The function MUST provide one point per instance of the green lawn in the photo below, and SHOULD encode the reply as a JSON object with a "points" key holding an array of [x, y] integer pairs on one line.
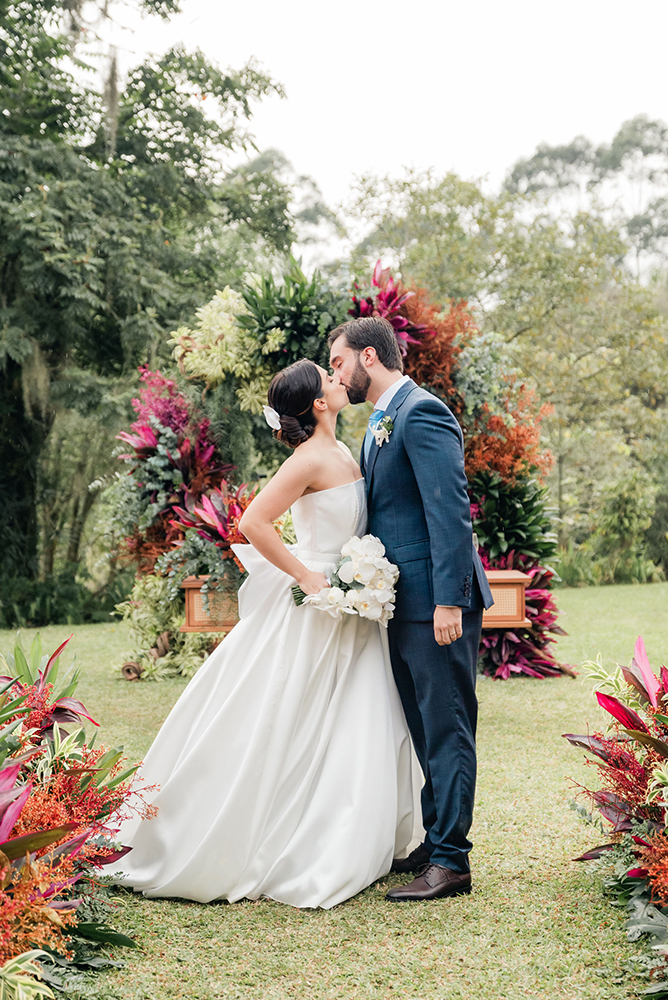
{"points": [[536, 926]]}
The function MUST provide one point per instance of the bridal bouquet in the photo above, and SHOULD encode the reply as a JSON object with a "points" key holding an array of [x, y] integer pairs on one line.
{"points": [[362, 583]]}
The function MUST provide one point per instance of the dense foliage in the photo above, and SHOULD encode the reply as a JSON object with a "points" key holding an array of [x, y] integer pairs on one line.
{"points": [[445, 352], [103, 206], [550, 266], [61, 798], [240, 341], [176, 512], [631, 763], [175, 508]]}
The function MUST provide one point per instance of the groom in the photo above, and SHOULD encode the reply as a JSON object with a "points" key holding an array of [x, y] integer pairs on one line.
{"points": [[419, 508]]}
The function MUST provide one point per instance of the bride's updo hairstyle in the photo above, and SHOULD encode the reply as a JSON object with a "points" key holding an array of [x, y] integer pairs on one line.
{"points": [[292, 393]]}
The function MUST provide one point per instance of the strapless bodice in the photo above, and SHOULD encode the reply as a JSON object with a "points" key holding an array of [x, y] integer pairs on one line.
{"points": [[325, 520]]}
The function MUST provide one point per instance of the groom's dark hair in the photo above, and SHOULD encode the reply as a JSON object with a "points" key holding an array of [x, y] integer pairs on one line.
{"points": [[371, 331]]}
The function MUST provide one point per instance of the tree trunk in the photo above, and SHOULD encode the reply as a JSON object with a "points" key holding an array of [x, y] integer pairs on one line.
{"points": [[79, 516], [21, 441], [560, 489]]}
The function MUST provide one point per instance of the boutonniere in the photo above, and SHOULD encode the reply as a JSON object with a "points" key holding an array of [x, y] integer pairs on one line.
{"points": [[382, 431]]}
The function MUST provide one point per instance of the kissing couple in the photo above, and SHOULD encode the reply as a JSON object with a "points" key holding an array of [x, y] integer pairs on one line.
{"points": [[284, 769]]}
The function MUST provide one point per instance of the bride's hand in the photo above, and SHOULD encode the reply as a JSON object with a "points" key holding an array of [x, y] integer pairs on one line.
{"points": [[312, 583]]}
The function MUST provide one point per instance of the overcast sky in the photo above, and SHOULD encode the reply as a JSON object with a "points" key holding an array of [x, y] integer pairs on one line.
{"points": [[470, 87]]}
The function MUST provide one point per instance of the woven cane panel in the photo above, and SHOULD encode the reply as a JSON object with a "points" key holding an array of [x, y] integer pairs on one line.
{"points": [[506, 603], [222, 609]]}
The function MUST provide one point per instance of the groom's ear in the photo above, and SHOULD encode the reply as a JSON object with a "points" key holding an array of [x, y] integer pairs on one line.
{"points": [[368, 356]]}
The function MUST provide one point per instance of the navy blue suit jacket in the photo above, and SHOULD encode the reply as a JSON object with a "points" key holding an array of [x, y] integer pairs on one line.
{"points": [[419, 506]]}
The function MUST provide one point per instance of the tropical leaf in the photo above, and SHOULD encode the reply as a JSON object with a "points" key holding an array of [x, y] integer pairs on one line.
{"points": [[104, 934], [641, 660], [109, 859], [590, 743], [633, 678], [649, 741], [614, 809], [595, 852], [19, 977], [21, 666], [11, 808], [628, 718], [31, 842], [74, 707], [51, 669]]}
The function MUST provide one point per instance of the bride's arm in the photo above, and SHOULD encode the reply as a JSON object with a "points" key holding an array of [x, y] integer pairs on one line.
{"points": [[289, 483]]}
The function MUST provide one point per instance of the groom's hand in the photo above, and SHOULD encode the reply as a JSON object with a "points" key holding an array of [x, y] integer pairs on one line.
{"points": [[447, 624]]}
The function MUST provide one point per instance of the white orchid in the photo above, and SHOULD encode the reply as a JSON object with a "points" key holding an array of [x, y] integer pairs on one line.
{"points": [[346, 571], [365, 571], [348, 547], [382, 431], [334, 600], [369, 545], [363, 583], [336, 596]]}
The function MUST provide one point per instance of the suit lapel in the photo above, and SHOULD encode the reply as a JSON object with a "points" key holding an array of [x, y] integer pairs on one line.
{"points": [[397, 400]]}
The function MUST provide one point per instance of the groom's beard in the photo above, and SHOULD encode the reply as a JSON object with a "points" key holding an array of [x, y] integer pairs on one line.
{"points": [[359, 384]]}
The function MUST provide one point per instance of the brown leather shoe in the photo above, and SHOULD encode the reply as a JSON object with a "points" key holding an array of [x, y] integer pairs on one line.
{"points": [[415, 860], [433, 882]]}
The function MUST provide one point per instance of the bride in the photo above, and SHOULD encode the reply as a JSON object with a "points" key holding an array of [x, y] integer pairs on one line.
{"points": [[284, 770]]}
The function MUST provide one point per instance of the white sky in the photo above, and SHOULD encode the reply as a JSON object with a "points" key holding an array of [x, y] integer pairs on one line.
{"points": [[470, 87]]}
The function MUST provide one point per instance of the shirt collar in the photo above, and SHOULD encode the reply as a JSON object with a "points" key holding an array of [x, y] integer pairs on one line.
{"points": [[386, 398]]}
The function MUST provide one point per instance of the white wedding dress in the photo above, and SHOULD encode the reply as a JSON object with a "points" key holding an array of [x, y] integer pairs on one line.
{"points": [[284, 769]]}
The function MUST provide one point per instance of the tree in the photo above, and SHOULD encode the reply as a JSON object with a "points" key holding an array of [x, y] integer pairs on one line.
{"points": [[551, 284], [112, 219], [625, 180]]}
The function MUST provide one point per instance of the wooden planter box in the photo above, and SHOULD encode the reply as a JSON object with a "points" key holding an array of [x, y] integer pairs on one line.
{"points": [[508, 610], [223, 611]]}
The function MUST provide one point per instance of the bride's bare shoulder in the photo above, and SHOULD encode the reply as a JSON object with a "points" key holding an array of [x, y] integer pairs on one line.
{"points": [[305, 459]]}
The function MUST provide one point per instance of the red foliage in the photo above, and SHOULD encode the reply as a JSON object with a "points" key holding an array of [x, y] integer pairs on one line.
{"points": [[507, 442], [61, 799], [390, 302], [433, 362], [26, 919], [38, 701], [217, 519], [36, 904], [655, 861], [509, 445], [161, 404], [526, 650], [627, 777], [145, 548], [160, 398]]}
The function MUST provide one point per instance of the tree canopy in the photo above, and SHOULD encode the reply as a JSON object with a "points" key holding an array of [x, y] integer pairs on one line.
{"points": [[553, 281], [117, 219]]}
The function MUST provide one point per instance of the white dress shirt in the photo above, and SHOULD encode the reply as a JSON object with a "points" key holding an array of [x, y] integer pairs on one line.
{"points": [[382, 404], [386, 398]]}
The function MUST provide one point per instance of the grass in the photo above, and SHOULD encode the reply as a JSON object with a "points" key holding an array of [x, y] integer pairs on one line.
{"points": [[537, 924]]}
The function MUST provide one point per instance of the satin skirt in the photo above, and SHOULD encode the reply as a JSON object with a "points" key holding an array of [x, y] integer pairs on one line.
{"points": [[285, 769]]}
